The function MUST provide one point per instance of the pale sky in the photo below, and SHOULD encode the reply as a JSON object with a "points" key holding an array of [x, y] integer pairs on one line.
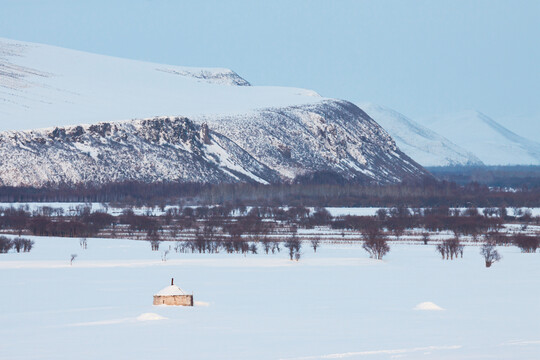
{"points": [[418, 57]]}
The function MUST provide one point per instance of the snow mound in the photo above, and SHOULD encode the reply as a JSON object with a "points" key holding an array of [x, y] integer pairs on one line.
{"points": [[428, 306], [150, 317], [202, 303]]}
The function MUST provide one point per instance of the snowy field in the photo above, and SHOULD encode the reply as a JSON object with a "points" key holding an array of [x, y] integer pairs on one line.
{"points": [[336, 304]]}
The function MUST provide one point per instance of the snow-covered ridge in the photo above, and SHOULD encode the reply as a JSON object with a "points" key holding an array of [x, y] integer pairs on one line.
{"points": [[16, 76], [422, 144], [143, 150], [217, 76], [266, 146]]}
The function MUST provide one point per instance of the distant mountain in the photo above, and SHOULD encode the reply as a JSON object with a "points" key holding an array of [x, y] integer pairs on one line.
{"points": [[420, 143], [526, 126], [189, 124], [488, 140]]}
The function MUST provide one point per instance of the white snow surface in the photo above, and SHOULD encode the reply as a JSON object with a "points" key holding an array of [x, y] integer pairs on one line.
{"points": [[150, 317], [491, 142], [421, 144], [45, 86], [265, 306]]}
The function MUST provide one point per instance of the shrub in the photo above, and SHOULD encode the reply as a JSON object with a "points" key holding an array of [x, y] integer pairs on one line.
{"points": [[376, 247], [5, 244], [450, 249], [490, 254], [23, 245], [527, 244]]}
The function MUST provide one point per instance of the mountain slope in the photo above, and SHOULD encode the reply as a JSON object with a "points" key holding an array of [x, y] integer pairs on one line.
{"points": [[189, 124], [268, 146], [525, 126], [488, 140], [423, 145], [332, 135]]}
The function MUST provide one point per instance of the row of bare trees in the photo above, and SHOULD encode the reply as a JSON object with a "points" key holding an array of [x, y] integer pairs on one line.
{"points": [[226, 227], [18, 244]]}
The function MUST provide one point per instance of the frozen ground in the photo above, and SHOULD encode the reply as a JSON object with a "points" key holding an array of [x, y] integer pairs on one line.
{"points": [[333, 304]]}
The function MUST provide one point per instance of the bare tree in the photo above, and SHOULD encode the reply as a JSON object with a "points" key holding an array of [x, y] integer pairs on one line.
{"points": [[490, 254], [376, 247], [315, 243], [27, 245], [154, 244], [450, 248], [294, 245], [267, 244], [5, 244], [23, 245], [375, 243], [253, 248], [73, 256], [442, 250], [18, 244], [275, 247], [425, 237], [164, 255], [178, 246]]}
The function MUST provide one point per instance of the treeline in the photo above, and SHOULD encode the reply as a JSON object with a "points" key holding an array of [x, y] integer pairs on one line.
{"points": [[235, 222], [511, 176], [427, 193]]}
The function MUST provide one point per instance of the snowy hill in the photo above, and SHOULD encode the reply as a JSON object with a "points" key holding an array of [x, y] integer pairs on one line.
{"points": [[265, 146], [255, 133], [488, 140], [43, 86], [423, 145]]}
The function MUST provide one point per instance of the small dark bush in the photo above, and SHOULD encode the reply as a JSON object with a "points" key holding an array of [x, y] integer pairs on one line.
{"points": [[527, 244], [5, 244]]}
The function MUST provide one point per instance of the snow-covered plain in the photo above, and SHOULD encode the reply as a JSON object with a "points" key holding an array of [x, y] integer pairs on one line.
{"points": [[336, 303]]}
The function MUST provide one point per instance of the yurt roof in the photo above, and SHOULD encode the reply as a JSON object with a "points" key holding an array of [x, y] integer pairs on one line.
{"points": [[171, 290]]}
